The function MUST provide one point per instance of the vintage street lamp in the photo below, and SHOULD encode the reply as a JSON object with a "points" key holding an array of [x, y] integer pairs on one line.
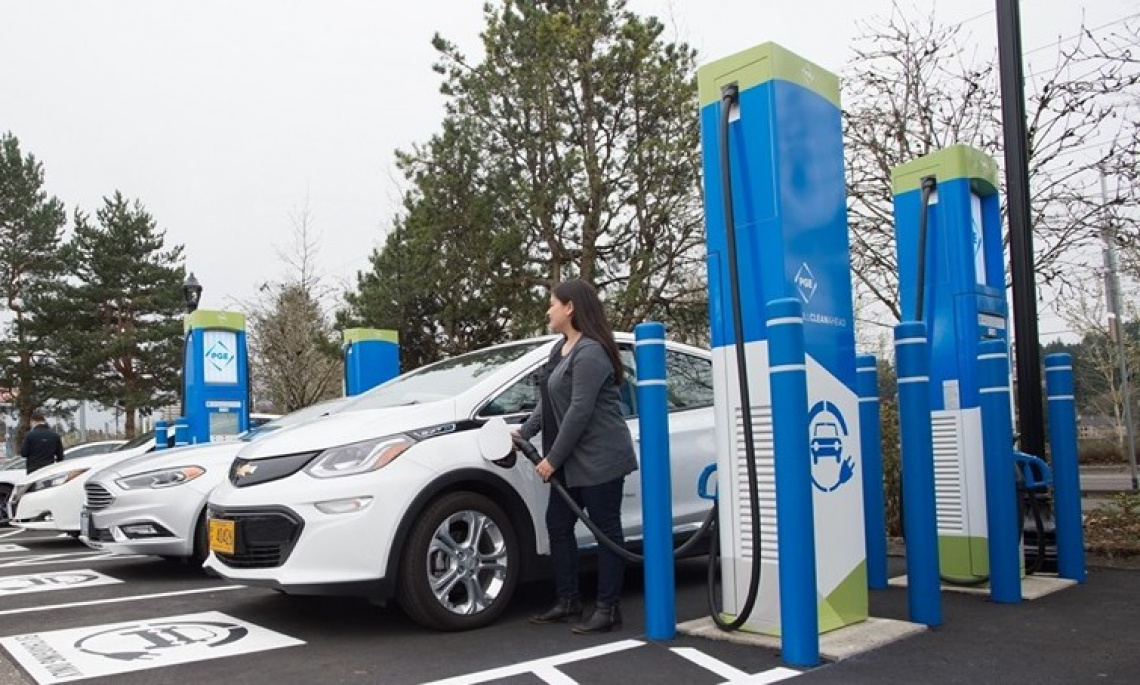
{"points": [[191, 293]]}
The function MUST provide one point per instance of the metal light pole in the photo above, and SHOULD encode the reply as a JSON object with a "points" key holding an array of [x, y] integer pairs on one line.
{"points": [[191, 296], [1030, 412], [1116, 328]]}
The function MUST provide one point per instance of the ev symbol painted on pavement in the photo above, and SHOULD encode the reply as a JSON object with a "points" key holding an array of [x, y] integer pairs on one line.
{"points": [[219, 356], [830, 466], [146, 641]]}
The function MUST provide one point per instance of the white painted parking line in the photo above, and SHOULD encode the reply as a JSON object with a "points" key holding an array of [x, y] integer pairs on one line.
{"points": [[733, 674], [59, 580], [15, 531], [116, 600], [64, 655], [542, 668], [9, 548], [554, 676], [64, 558], [707, 662]]}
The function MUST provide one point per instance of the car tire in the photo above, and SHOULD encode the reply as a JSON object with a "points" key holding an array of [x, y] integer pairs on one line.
{"points": [[201, 541], [461, 564], [5, 493]]}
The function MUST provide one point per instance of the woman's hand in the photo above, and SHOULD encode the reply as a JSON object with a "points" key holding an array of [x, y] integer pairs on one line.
{"points": [[544, 470]]}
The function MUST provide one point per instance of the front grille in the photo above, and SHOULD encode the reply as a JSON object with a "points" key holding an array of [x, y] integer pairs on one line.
{"points": [[98, 497], [14, 499], [101, 535], [264, 539]]}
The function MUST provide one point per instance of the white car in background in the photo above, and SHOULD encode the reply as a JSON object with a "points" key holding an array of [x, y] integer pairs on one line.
{"points": [[50, 498], [155, 503], [391, 496], [13, 471]]}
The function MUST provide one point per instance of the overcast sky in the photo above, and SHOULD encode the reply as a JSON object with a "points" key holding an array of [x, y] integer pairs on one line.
{"points": [[228, 118]]}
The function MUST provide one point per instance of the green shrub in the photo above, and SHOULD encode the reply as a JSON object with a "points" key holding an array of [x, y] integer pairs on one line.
{"points": [[1096, 452]]}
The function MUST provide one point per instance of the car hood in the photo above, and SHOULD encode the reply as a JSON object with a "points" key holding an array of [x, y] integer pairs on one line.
{"points": [[180, 456], [348, 427], [95, 461]]}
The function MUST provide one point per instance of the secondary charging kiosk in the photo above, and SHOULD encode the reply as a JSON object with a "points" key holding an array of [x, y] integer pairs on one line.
{"points": [[216, 376], [958, 267], [371, 357], [785, 149]]}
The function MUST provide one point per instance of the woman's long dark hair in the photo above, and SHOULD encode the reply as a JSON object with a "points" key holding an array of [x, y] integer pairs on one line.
{"points": [[589, 318]]}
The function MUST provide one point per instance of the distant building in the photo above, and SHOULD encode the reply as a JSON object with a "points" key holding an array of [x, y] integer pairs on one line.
{"points": [[1097, 428]]}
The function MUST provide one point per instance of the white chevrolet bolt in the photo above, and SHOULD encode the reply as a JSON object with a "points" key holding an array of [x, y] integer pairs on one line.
{"points": [[391, 498], [155, 503]]}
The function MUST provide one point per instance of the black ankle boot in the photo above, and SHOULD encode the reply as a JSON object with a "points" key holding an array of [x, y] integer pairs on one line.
{"points": [[564, 608], [606, 617]]}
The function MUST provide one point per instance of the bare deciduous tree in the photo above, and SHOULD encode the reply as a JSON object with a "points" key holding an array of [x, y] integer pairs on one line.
{"points": [[916, 86], [294, 354]]}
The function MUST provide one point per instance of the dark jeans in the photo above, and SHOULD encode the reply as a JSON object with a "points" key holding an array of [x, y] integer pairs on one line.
{"points": [[603, 503]]}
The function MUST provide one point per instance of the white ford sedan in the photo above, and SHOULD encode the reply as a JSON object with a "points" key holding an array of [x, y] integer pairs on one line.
{"points": [[391, 498]]}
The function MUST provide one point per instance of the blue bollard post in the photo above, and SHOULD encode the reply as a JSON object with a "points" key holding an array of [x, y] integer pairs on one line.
{"points": [[795, 518], [181, 432], [1004, 530], [161, 435], [920, 518], [656, 488], [874, 508], [1066, 472]]}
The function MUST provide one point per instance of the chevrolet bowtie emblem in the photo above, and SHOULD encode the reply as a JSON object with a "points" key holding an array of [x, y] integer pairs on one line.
{"points": [[245, 470]]}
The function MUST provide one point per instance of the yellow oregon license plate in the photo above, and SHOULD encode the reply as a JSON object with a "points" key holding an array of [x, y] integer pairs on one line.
{"points": [[222, 536]]}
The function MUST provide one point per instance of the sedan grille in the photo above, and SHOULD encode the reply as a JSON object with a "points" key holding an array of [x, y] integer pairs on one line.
{"points": [[98, 497], [14, 498]]}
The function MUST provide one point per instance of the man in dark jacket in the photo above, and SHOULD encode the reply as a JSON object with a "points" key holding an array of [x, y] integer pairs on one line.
{"points": [[42, 446]]}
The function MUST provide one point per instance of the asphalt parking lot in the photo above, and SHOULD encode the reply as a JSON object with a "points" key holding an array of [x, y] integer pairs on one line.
{"points": [[68, 613]]}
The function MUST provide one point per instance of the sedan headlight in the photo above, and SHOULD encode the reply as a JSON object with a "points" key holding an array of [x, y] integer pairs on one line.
{"points": [[358, 457], [163, 478], [56, 480]]}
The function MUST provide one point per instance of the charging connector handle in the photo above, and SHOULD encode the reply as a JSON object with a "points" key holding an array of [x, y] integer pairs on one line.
{"points": [[929, 185]]}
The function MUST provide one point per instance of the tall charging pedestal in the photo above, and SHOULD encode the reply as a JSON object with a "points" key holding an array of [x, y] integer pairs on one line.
{"points": [[785, 154], [371, 357], [958, 266], [216, 376]]}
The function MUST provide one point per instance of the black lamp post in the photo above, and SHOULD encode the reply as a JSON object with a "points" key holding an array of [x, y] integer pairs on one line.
{"points": [[191, 295]]}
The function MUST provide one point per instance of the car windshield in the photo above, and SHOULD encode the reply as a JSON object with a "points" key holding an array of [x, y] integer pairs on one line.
{"points": [[293, 418], [444, 379], [136, 442]]}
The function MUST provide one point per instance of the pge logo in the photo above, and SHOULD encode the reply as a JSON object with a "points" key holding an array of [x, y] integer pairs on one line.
{"points": [[831, 466], [219, 356], [806, 283], [145, 641]]}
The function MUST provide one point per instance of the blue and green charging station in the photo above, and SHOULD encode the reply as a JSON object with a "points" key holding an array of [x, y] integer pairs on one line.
{"points": [[371, 357], [788, 199], [955, 265], [215, 375]]}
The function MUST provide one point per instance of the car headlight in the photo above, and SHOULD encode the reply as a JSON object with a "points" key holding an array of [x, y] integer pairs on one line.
{"points": [[358, 457], [163, 478], [56, 480]]}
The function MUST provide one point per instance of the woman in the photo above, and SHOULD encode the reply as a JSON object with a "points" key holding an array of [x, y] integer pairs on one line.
{"points": [[587, 446]]}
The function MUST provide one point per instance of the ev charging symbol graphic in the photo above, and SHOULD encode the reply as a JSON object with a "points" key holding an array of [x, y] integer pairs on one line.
{"points": [[830, 466]]}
